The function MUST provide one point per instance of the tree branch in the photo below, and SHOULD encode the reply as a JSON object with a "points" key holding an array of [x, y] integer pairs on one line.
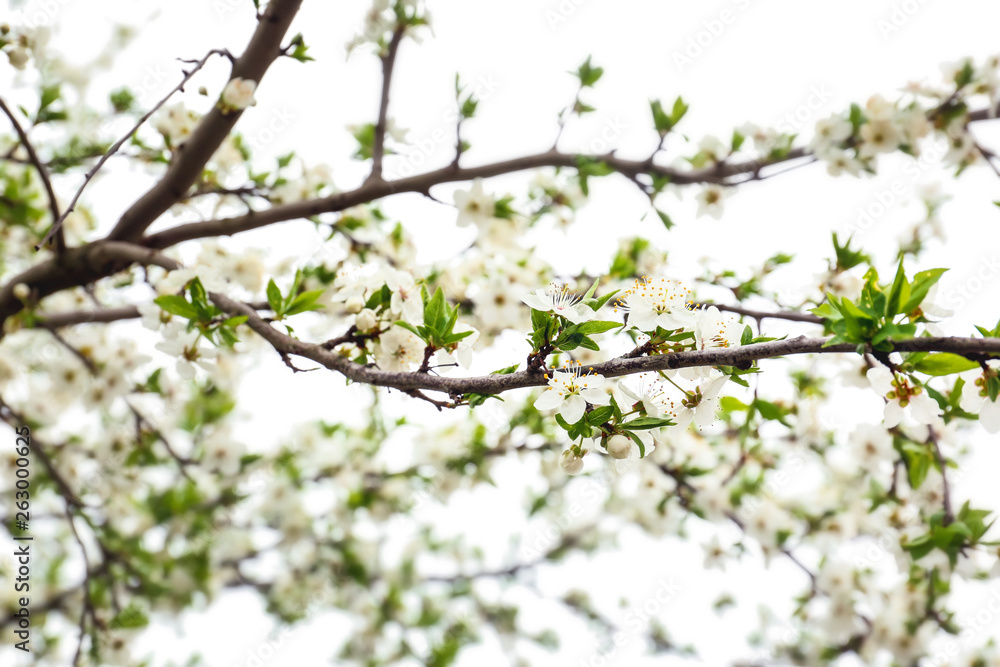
{"points": [[102, 316], [388, 61], [57, 225], [190, 158], [421, 183], [118, 251], [51, 276], [495, 384], [79, 266], [790, 315]]}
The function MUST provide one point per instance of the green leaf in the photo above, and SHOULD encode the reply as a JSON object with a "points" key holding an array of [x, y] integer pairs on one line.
{"points": [[475, 400], [856, 118], [922, 283], [732, 404], [644, 423], [944, 363], [678, 111], [130, 617], [274, 300], [598, 303], [993, 387], [665, 219], [412, 329], [588, 74], [539, 319], [299, 52], [918, 464], [434, 311], [661, 121], [597, 326], [469, 106], [305, 301], [600, 415], [899, 293], [769, 410], [177, 305], [593, 290], [738, 140], [846, 257], [234, 322]]}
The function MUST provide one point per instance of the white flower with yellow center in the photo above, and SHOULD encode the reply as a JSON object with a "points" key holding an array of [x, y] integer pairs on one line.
{"points": [[710, 200], [900, 394], [647, 392], [712, 331], [878, 136], [474, 205], [657, 302], [701, 404], [976, 399], [398, 350], [559, 300], [839, 161], [190, 351], [830, 132], [570, 390]]}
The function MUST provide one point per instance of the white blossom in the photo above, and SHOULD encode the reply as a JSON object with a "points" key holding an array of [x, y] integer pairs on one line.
{"points": [[976, 400], [570, 390], [559, 300], [474, 205], [190, 351], [238, 93], [657, 302], [710, 200], [398, 350], [900, 394]]}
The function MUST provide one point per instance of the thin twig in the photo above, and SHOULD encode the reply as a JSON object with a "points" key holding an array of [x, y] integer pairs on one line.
{"points": [[388, 62], [932, 438], [57, 226], [43, 173]]}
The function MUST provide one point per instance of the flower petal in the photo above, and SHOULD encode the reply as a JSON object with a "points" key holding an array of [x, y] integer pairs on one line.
{"points": [[893, 413], [548, 400], [573, 408], [924, 409], [990, 416], [537, 301], [881, 379]]}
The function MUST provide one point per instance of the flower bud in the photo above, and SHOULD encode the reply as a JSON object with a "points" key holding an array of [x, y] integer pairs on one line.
{"points": [[238, 93], [354, 304], [571, 463], [21, 291], [18, 57], [366, 320], [619, 446]]}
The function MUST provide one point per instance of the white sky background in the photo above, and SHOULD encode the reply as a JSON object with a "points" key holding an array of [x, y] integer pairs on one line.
{"points": [[769, 61]]}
